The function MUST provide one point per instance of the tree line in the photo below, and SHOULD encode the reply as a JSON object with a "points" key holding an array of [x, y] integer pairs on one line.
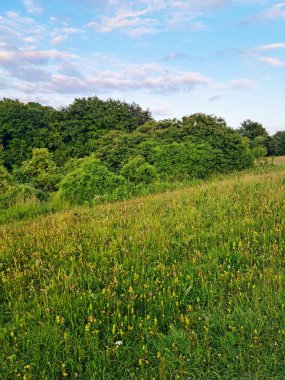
{"points": [[94, 147]]}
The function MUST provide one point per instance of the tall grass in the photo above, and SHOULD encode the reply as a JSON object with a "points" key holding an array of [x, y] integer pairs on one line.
{"points": [[187, 284]]}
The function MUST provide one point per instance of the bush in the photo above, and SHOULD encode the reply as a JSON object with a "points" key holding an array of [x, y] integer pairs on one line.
{"points": [[235, 148], [89, 180], [5, 179], [40, 171], [21, 194], [187, 159], [138, 171]]}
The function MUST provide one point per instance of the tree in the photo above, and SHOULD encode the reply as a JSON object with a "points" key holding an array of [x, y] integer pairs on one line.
{"points": [[258, 147], [252, 129], [277, 144], [24, 127], [69, 132], [214, 130]]}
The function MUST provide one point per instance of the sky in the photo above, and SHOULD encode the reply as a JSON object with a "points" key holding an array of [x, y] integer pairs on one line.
{"points": [[175, 57]]}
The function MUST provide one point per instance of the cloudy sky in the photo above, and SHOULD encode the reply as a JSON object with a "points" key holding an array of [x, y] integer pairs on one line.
{"points": [[175, 57]]}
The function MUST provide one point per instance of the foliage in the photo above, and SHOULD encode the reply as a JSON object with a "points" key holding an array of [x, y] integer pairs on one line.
{"points": [[187, 159], [17, 194], [258, 138], [214, 131], [68, 132], [277, 144], [5, 179], [89, 180], [40, 171], [138, 171], [24, 127], [252, 129]]}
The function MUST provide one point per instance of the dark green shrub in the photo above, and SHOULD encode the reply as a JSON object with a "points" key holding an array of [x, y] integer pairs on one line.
{"points": [[89, 180], [21, 194], [277, 144], [187, 160], [213, 130], [40, 171], [5, 179], [138, 171]]}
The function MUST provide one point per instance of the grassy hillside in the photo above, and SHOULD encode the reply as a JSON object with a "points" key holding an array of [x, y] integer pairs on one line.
{"points": [[187, 284]]}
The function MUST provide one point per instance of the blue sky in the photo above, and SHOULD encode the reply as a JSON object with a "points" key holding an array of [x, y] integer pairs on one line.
{"points": [[175, 57]]}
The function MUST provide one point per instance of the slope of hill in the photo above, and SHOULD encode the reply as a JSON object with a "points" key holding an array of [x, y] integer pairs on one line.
{"points": [[187, 284]]}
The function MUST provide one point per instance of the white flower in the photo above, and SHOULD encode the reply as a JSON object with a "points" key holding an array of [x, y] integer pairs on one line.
{"points": [[118, 343]]}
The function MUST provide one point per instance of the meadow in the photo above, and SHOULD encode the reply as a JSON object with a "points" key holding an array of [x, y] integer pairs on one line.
{"points": [[184, 284]]}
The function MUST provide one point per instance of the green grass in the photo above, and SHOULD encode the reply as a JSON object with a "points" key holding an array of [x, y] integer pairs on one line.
{"points": [[191, 281]]}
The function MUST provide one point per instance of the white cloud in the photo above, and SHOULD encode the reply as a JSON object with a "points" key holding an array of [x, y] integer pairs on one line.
{"points": [[107, 81], [241, 84], [181, 21], [16, 30], [62, 72], [273, 46], [130, 22], [58, 39], [272, 61], [20, 57], [59, 35], [151, 16], [32, 6], [277, 11]]}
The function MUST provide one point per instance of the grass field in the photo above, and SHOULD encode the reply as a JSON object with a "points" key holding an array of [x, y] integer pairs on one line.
{"points": [[187, 284]]}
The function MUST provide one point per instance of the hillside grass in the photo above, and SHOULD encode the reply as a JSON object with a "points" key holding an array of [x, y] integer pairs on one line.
{"points": [[186, 284]]}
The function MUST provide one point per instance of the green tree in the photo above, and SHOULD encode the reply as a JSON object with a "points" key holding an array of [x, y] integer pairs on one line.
{"points": [[68, 132], [258, 147], [214, 131], [277, 144], [24, 127], [252, 129]]}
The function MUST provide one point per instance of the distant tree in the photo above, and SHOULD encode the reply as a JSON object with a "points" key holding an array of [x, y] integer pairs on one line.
{"points": [[252, 129], [258, 146], [24, 127], [277, 144], [68, 132], [214, 131], [108, 114]]}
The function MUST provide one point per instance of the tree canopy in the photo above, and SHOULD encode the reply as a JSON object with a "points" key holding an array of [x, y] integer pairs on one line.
{"points": [[93, 147]]}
